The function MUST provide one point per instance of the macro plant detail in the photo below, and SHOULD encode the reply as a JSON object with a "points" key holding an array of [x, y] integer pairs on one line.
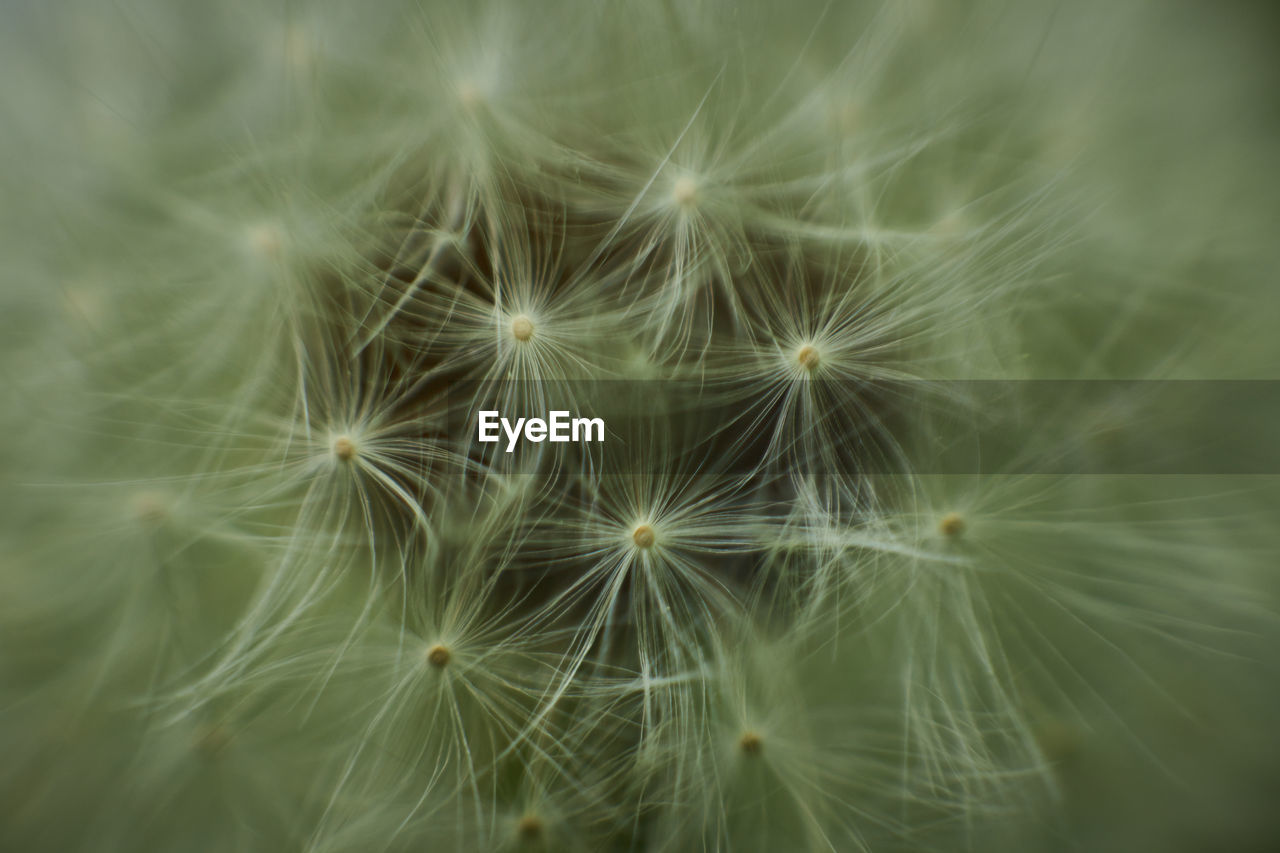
{"points": [[615, 425]]}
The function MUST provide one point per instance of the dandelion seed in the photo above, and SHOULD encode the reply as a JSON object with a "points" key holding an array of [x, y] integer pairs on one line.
{"points": [[750, 743], [685, 191], [210, 741], [265, 241], [469, 94], [84, 302], [1058, 741], [299, 49], [951, 525], [808, 358], [439, 656], [150, 508], [530, 827], [952, 225], [522, 328], [643, 536], [344, 448], [848, 116]]}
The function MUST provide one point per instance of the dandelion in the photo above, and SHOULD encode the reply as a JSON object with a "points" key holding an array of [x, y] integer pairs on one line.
{"points": [[270, 273]]}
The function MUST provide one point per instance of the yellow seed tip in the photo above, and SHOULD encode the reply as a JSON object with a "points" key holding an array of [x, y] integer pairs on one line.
{"points": [[529, 827], [643, 536], [685, 191], [211, 740], [150, 508], [522, 328], [951, 524], [266, 240], [807, 357], [439, 656], [344, 448], [469, 94]]}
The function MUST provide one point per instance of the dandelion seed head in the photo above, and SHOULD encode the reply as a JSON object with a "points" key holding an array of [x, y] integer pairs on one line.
{"points": [[381, 212]]}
